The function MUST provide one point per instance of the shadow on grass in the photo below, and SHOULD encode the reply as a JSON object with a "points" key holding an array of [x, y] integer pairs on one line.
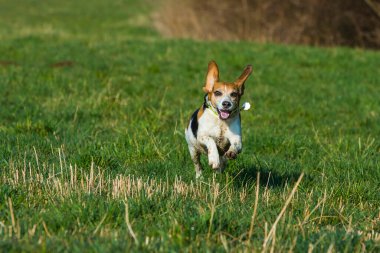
{"points": [[247, 175]]}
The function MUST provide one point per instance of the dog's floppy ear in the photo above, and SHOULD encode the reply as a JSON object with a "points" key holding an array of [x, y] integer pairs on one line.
{"points": [[212, 76], [243, 77]]}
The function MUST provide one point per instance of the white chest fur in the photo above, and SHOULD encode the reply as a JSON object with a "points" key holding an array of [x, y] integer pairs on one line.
{"points": [[223, 132], [218, 139]]}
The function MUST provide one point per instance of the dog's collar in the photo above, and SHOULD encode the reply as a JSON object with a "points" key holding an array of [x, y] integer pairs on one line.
{"points": [[207, 104]]}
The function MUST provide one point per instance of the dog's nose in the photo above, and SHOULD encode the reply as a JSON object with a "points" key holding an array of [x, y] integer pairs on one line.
{"points": [[226, 104]]}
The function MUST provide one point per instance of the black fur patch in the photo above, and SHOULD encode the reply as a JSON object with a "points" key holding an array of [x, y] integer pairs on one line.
{"points": [[204, 102], [194, 123]]}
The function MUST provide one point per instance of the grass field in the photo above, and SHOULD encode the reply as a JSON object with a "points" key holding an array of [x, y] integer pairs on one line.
{"points": [[93, 158]]}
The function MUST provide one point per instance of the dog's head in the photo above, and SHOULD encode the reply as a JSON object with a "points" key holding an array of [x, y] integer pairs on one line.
{"points": [[224, 96]]}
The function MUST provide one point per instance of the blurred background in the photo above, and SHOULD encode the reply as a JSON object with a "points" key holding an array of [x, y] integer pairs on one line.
{"points": [[354, 23]]}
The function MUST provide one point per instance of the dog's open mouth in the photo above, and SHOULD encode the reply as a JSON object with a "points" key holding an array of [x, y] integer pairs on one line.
{"points": [[224, 114]]}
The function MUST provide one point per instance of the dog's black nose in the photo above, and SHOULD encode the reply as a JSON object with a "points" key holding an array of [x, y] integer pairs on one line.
{"points": [[226, 104]]}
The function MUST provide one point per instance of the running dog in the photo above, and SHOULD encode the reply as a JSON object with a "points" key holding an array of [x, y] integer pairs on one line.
{"points": [[215, 129]]}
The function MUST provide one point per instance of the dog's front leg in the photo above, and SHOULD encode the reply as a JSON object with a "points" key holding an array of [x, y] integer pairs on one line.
{"points": [[235, 148], [212, 151]]}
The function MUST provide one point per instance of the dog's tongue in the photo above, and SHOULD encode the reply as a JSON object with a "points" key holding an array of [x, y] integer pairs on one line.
{"points": [[224, 115]]}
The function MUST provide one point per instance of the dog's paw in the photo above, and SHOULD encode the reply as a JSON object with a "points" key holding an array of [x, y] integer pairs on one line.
{"points": [[230, 155], [214, 162]]}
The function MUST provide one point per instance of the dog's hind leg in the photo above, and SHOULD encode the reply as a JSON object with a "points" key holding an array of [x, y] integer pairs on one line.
{"points": [[223, 164], [195, 157]]}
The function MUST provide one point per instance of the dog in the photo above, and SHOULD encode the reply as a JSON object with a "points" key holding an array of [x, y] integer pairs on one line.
{"points": [[215, 128]]}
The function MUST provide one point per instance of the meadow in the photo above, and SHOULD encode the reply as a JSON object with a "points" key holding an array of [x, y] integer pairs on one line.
{"points": [[93, 107]]}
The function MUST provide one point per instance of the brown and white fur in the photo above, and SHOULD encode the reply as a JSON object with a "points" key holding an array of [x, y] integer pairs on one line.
{"points": [[215, 128]]}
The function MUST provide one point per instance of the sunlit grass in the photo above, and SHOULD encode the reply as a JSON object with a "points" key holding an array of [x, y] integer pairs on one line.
{"points": [[92, 120]]}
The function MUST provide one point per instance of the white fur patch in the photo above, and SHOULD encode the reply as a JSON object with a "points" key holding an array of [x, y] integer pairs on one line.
{"points": [[214, 135]]}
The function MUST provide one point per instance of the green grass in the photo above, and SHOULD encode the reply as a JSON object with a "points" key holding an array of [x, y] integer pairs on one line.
{"points": [[92, 111]]}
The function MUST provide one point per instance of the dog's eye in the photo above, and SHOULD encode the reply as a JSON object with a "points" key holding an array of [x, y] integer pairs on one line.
{"points": [[234, 94], [217, 93]]}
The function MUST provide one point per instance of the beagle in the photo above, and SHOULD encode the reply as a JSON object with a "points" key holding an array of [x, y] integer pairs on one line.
{"points": [[214, 129]]}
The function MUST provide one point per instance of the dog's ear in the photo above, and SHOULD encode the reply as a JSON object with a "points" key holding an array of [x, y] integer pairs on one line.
{"points": [[212, 76], [243, 77]]}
